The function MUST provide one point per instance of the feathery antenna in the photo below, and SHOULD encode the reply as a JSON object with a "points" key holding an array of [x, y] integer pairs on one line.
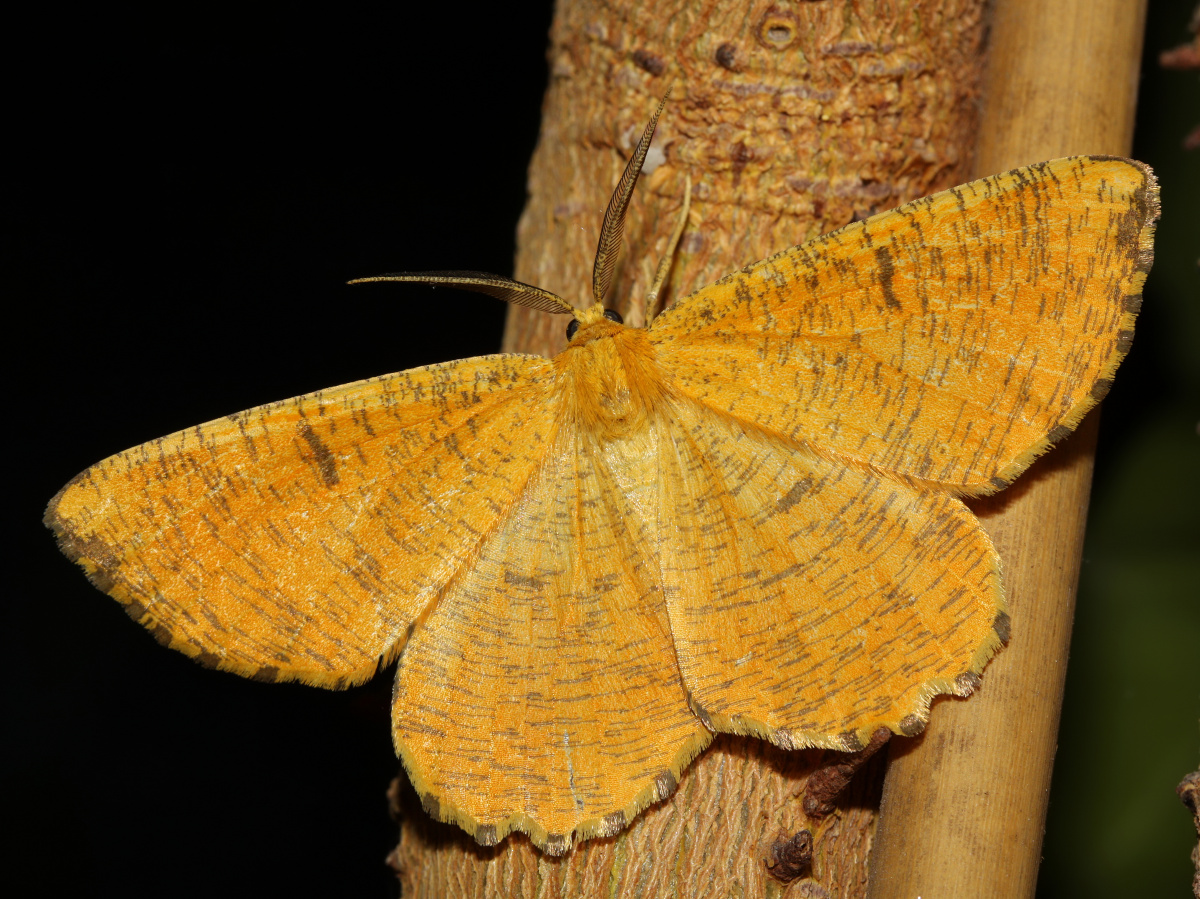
{"points": [[497, 286], [664, 267], [614, 216]]}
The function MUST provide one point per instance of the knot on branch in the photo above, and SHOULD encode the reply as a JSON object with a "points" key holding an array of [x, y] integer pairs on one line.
{"points": [[825, 784], [791, 856]]}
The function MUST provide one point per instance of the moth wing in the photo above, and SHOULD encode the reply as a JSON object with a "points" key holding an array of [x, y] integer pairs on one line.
{"points": [[542, 693], [951, 340], [301, 539], [813, 602]]}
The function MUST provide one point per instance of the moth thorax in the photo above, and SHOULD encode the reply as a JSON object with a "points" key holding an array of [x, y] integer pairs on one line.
{"points": [[614, 381]]}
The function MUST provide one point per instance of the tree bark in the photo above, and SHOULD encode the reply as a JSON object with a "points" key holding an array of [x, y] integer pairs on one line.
{"points": [[791, 119]]}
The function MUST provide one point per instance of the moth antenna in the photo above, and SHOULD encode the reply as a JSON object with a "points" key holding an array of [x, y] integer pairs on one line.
{"points": [[664, 267], [516, 292], [614, 216]]}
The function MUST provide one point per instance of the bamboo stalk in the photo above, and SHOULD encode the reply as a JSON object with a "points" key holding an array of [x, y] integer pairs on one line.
{"points": [[964, 804]]}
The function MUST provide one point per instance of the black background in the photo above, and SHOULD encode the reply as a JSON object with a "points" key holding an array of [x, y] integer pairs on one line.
{"points": [[189, 209], [189, 200]]}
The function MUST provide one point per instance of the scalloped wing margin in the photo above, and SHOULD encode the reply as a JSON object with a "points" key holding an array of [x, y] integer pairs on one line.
{"points": [[972, 328], [272, 543], [812, 602], [542, 694]]}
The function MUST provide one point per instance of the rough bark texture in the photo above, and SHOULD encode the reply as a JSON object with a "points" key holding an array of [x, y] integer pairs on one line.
{"points": [[965, 803], [716, 836], [791, 119]]}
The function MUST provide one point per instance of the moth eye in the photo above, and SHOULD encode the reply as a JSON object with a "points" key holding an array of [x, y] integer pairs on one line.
{"points": [[572, 327], [614, 316]]}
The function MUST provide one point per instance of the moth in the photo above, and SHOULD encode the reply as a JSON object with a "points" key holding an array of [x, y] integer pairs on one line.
{"points": [[742, 518]]}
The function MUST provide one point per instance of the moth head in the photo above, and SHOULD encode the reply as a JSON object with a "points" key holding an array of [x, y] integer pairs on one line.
{"points": [[590, 317]]}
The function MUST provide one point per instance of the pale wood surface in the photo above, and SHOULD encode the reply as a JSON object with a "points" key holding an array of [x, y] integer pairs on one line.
{"points": [[965, 804], [790, 120]]}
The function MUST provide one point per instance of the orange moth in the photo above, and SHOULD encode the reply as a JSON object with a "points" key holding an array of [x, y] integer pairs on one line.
{"points": [[742, 518]]}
